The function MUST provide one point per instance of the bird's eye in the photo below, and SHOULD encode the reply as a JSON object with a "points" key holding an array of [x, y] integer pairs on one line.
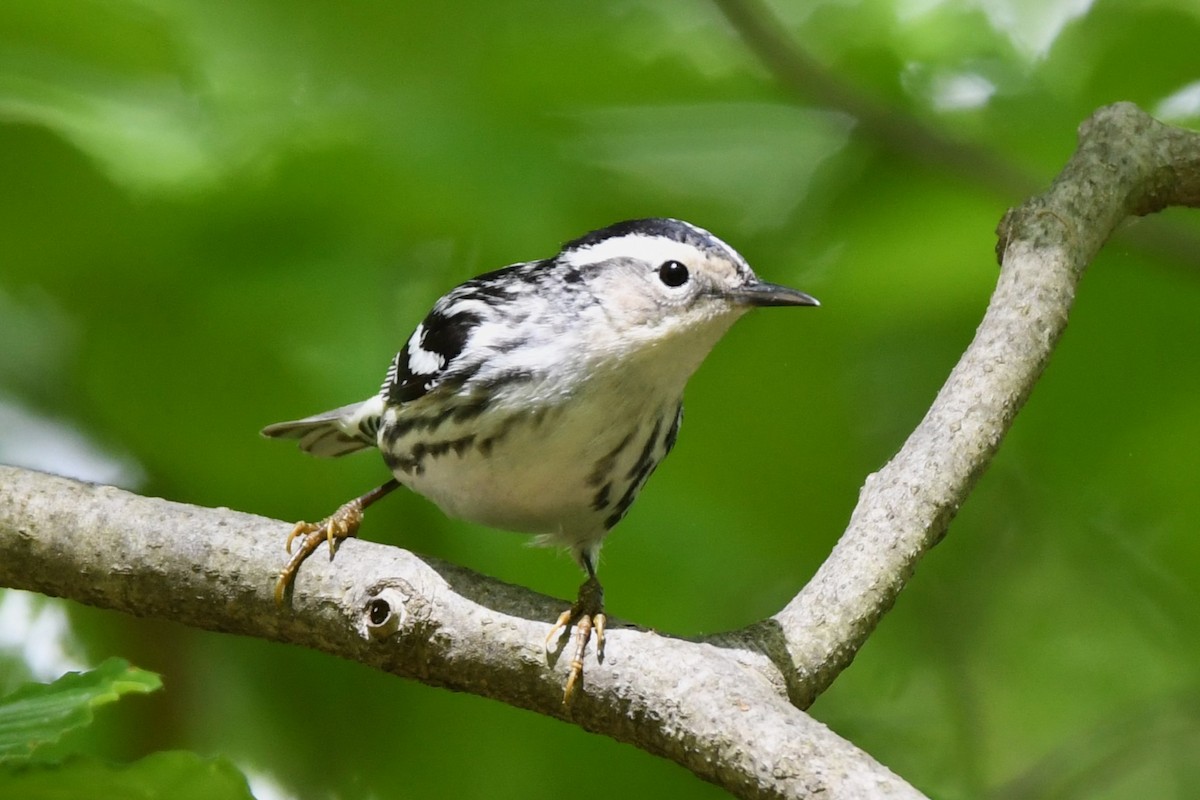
{"points": [[672, 273]]}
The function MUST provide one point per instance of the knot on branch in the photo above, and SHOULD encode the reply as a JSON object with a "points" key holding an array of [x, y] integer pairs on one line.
{"points": [[384, 610]]}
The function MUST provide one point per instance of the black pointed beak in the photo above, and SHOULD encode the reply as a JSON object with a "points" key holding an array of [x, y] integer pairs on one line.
{"points": [[761, 293]]}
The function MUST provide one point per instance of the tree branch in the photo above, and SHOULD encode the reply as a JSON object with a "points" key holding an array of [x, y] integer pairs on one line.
{"points": [[714, 710], [906, 135], [901, 133], [1126, 163], [719, 706]]}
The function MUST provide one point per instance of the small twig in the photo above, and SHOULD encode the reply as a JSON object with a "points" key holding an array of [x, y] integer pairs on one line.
{"points": [[890, 128], [900, 132]]}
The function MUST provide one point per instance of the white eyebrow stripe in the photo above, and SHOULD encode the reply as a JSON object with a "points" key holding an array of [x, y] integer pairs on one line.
{"points": [[653, 249]]}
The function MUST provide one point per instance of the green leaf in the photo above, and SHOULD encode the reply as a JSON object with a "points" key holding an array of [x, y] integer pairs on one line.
{"points": [[37, 714], [174, 774]]}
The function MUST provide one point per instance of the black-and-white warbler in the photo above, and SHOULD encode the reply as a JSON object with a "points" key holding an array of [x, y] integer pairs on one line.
{"points": [[540, 397]]}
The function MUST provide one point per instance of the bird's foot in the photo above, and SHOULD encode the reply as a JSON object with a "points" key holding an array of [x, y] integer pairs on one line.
{"points": [[587, 614], [341, 524]]}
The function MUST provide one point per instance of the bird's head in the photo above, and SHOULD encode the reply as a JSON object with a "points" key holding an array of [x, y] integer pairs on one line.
{"points": [[660, 281]]}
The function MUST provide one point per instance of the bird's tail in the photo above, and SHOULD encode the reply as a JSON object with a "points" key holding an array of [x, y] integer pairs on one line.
{"points": [[334, 433]]}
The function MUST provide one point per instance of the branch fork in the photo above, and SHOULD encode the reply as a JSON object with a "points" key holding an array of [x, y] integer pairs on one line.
{"points": [[729, 706]]}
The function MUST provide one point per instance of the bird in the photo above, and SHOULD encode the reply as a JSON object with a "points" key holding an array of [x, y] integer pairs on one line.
{"points": [[540, 397]]}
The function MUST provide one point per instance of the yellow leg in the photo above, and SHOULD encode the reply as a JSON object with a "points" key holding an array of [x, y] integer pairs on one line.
{"points": [[587, 614], [342, 524]]}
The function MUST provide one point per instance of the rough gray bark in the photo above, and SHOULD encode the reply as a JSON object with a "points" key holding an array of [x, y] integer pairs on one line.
{"points": [[719, 711], [1126, 164], [727, 707]]}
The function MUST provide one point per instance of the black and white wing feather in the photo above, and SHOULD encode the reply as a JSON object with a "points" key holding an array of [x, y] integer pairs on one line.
{"points": [[438, 361], [464, 330], [433, 354]]}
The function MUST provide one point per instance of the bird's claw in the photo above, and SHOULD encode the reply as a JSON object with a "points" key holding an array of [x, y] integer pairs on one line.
{"points": [[341, 524], [587, 614]]}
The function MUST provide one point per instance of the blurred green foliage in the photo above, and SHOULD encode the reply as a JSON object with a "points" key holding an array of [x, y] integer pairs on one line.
{"points": [[218, 215], [36, 717], [40, 756]]}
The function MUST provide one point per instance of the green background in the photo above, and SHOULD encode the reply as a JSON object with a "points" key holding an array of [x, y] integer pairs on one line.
{"points": [[218, 215]]}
